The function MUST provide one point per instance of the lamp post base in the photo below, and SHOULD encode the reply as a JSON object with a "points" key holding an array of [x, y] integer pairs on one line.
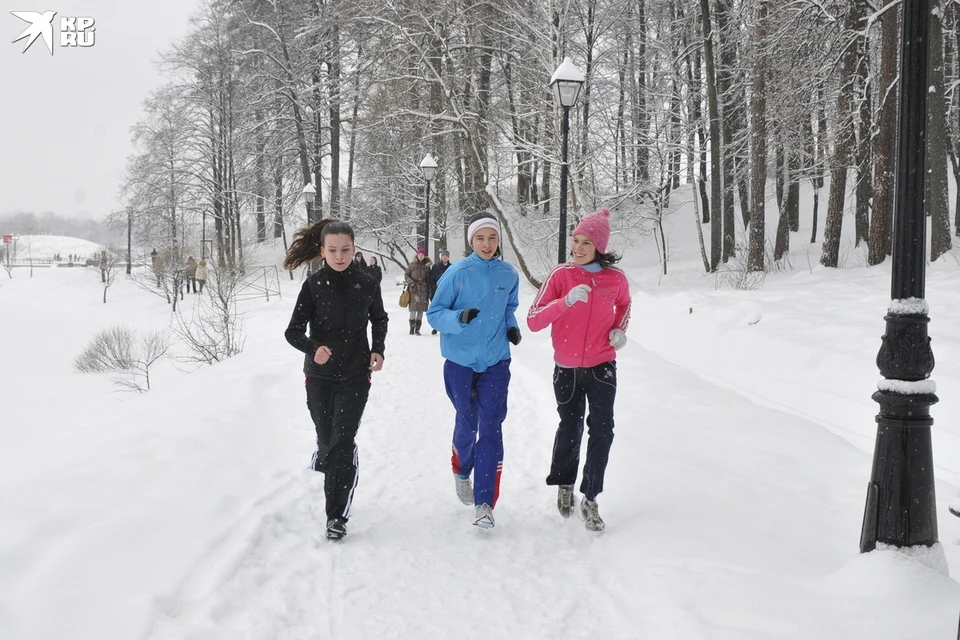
{"points": [[901, 500]]}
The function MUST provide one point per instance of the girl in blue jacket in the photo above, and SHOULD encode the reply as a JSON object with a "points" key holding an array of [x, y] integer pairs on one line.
{"points": [[473, 309]]}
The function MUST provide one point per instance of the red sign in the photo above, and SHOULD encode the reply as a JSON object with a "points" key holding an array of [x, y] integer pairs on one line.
{"points": [[7, 239]]}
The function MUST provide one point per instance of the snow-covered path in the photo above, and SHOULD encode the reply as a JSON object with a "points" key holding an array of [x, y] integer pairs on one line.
{"points": [[188, 512], [705, 493]]}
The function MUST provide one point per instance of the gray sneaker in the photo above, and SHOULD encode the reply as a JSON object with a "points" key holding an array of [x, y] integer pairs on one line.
{"points": [[484, 518], [464, 489], [590, 514], [565, 500]]}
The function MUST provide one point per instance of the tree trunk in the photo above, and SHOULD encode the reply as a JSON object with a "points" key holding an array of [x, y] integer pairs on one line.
{"points": [[843, 144], [725, 87], [260, 177], [785, 176], [864, 142], [938, 202], [333, 77], [640, 116], [881, 222], [758, 143], [716, 227]]}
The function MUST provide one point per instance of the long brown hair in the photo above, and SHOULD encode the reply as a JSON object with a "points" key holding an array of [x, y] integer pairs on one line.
{"points": [[307, 241]]}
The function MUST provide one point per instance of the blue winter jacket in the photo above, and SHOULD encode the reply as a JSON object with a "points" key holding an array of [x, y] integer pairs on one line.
{"points": [[488, 285]]}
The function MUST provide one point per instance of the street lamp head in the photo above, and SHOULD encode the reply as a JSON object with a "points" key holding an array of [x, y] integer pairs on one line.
{"points": [[566, 82], [429, 167], [309, 193]]}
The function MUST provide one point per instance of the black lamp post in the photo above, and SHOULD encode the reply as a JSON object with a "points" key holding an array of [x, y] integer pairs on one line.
{"points": [[129, 239], [566, 82], [901, 506], [429, 168], [309, 193]]}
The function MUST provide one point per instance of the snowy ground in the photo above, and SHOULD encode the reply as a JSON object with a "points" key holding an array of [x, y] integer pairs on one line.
{"points": [[734, 493]]}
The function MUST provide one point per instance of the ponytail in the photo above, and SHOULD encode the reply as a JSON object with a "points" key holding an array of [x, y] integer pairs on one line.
{"points": [[307, 241]]}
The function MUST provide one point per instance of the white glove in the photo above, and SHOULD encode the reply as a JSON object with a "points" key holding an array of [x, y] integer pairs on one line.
{"points": [[617, 338], [579, 293]]}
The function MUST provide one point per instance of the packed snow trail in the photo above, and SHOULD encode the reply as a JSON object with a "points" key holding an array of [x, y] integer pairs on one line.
{"points": [[695, 521], [188, 512]]}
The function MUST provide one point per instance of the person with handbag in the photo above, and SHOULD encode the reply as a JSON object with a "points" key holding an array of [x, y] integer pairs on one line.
{"points": [[337, 302], [417, 278], [473, 309], [587, 303]]}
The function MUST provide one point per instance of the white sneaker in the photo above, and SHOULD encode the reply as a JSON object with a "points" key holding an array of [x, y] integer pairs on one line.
{"points": [[565, 500], [464, 489], [590, 514], [484, 517]]}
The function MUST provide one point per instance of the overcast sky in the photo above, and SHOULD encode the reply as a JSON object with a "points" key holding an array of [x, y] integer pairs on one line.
{"points": [[66, 118]]}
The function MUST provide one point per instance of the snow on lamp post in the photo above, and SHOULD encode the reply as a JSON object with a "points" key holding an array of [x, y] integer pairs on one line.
{"points": [[900, 507], [428, 166], [566, 82]]}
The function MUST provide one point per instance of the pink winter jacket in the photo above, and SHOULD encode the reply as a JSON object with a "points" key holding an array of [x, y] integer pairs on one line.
{"points": [[581, 333]]}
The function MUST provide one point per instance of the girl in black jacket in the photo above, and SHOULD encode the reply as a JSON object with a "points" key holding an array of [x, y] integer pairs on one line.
{"points": [[336, 302]]}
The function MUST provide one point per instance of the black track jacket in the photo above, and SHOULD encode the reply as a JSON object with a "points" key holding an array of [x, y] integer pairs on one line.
{"points": [[337, 306]]}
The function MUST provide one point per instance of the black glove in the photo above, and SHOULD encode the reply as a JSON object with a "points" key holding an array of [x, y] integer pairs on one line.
{"points": [[513, 335], [468, 315], [412, 286]]}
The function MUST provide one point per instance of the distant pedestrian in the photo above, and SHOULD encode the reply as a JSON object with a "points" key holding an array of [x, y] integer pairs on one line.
{"points": [[359, 262], [337, 302], [191, 274], [417, 278], [587, 302], [156, 265], [201, 274], [436, 271], [474, 311], [374, 269]]}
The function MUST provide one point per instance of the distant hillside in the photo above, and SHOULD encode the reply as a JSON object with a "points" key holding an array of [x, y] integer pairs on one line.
{"points": [[44, 247], [51, 224]]}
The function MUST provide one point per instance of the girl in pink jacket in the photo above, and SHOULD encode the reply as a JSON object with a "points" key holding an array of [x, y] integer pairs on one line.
{"points": [[587, 301]]}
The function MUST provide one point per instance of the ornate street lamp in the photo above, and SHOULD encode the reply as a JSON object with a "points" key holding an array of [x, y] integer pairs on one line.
{"points": [[309, 193], [901, 506], [429, 168], [566, 82]]}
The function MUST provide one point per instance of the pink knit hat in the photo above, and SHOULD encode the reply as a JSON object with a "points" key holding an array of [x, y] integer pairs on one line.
{"points": [[421, 251], [596, 226]]}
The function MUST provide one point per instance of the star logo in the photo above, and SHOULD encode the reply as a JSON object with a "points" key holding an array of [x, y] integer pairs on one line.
{"points": [[41, 24]]}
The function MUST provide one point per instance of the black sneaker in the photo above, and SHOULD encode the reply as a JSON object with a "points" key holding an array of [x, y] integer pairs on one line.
{"points": [[433, 332], [336, 528]]}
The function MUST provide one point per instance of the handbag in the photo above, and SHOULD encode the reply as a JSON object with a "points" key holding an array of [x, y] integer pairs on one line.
{"points": [[404, 297]]}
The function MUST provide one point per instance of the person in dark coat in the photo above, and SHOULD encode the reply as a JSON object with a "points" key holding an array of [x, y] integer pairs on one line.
{"points": [[191, 279], [359, 262], [374, 269], [337, 302], [417, 277], [436, 271]]}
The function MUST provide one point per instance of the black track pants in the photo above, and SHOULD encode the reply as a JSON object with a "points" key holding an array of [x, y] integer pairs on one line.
{"points": [[336, 409]]}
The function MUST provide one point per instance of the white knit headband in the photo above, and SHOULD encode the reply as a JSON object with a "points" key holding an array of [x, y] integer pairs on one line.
{"points": [[482, 223]]}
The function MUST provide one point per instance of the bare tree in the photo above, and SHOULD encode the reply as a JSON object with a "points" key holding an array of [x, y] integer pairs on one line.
{"points": [[214, 331], [122, 351], [107, 263]]}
